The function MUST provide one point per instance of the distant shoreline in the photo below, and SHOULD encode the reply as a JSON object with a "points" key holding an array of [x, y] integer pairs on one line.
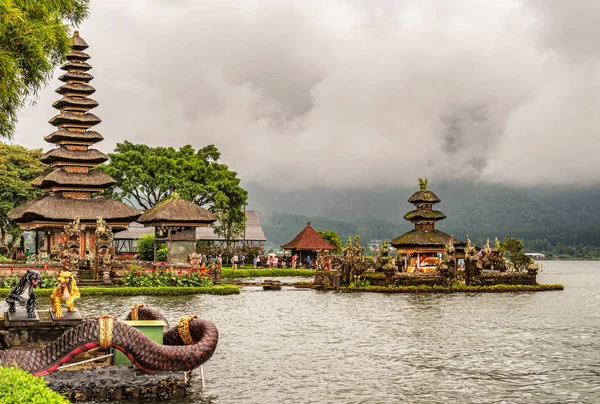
{"points": [[567, 259]]}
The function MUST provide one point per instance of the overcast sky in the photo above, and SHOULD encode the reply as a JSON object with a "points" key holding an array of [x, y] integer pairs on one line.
{"points": [[351, 92]]}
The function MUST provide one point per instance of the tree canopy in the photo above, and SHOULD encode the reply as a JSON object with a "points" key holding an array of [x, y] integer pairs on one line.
{"points": [[147, 175], [332, 238], [18, 167], [34, 39]]}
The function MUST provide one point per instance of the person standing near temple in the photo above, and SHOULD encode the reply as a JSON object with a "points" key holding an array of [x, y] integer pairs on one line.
{"points": [[308, 263], [275, 261], [234, 261], [294, 259]]}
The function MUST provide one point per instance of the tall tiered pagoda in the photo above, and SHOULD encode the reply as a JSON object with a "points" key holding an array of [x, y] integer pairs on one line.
{"points": [[423, 246], [71, 185]]}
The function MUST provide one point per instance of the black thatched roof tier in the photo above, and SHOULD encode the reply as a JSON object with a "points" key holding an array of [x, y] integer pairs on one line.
{"points": [[424, 196], [77, 55], [77, 42], [57, 208], [82, 89], [177, 211], [62, 178], [421, 238], [75, 102], [65, 134], [67, 117], [427, 215], [91, 156], [76, 76], [76, 65]]}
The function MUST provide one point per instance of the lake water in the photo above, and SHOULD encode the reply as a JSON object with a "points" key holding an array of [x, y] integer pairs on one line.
{"points": [[303, 346]]}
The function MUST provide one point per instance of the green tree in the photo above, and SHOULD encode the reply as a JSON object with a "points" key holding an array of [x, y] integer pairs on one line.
{"points": [[512, 245], [34, 39], [230, 225], [520, 260], [332, 238], [145, 247], [18, 167], [148, 175]]}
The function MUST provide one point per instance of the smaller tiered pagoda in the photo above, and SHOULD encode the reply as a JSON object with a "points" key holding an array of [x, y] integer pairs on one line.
{"points": [[422, 247], [306, 244]]}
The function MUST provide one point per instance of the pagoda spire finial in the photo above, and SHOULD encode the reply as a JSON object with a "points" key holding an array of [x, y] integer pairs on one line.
{"points": [[423, 184]]}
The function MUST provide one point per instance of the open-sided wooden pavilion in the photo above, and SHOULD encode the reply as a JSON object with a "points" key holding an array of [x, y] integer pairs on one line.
{"points": [[306, 244], [175, 221]]}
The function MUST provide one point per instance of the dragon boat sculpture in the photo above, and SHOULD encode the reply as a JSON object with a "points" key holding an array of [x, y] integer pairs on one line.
{"points": [[186, 346]]}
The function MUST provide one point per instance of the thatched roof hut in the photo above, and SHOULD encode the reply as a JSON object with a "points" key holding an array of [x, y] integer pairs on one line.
{"points": [[177, 212]]}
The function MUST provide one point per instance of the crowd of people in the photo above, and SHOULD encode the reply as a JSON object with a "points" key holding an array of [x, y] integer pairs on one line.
{"points": [[275, 261]]}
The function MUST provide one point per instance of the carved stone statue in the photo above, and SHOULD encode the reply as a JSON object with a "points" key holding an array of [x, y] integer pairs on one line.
{"points": [[24, 293], [66, 290], [193, 258], [449, 257]]}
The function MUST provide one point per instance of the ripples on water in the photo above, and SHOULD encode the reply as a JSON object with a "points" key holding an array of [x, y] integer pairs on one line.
{"points": [[302, 346]]}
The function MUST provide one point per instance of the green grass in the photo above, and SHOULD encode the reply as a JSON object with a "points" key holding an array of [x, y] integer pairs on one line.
{"points": [[455, 289], [18, 387], [256, 273], [145, 291]]}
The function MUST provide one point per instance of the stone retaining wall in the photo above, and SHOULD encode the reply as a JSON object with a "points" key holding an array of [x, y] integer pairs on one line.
{"points": [[504, 278]]}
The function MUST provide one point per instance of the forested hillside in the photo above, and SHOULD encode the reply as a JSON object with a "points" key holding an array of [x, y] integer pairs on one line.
{"points": [[551, 220]]}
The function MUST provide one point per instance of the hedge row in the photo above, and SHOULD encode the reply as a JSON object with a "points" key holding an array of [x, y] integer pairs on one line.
{"points": [[146, 291], [256, 273], [455, 289], [18, 387], [372, 275]]}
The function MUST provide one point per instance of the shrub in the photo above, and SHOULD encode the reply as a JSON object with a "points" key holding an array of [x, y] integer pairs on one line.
{"points": [[4, 260], [146, 291], [256, 273], [48, 280], [166, 278], [18, 387], [162, 254], [373, 275], [360, 283], [9, 282], [145, 247]]}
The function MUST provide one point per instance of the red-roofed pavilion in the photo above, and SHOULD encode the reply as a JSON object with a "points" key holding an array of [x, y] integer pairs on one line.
{"points": [[306, 244]]}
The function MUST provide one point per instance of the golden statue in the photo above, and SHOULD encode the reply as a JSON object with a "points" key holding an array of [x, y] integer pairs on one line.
{"points": [[66, 290]]}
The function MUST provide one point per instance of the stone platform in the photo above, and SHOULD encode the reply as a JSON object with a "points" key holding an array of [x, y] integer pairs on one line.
{"points": [[118, 383], [21, 315], [68, 316], [16, 331]]}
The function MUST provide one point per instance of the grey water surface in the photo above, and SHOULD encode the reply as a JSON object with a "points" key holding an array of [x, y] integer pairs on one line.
{"points": [[303, 346]]}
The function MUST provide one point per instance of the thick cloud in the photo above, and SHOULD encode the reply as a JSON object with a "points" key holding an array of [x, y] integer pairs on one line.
{"points": [[352, 93]]}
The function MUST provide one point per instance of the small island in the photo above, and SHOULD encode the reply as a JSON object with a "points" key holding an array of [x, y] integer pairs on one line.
{"points": [[429, 261]]}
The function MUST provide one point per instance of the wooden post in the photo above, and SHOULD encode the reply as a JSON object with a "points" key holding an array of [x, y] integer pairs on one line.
{"points": [[169, 245], [155, 236]]}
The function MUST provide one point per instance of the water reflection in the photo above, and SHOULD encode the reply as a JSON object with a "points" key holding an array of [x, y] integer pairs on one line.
{"points": [[303, 346]]}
